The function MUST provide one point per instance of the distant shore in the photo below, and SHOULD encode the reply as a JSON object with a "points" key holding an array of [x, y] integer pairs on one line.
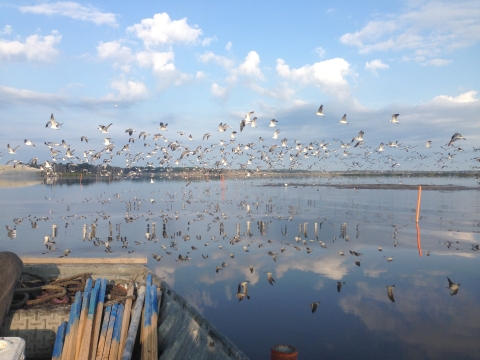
{"points": [[9, 169], [383, 186]]}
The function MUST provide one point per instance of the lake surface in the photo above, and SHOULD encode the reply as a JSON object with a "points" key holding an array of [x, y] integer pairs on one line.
{"points": [[398, 309]]}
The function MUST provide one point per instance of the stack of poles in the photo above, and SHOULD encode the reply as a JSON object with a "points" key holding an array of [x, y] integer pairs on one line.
{"points": [[87, 337]]}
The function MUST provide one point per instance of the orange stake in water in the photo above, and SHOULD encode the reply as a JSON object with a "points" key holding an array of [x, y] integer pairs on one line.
{"points": [[418, 202]]}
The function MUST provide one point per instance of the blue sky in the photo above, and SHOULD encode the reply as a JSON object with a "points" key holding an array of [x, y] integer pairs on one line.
{"points": [[195, 64]]}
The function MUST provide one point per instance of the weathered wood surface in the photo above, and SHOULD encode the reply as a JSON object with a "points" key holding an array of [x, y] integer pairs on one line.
{"points": [[10, 269]]}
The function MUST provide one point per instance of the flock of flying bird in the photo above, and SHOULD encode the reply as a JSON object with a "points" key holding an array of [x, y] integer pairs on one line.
{"points": [[231, 154]]}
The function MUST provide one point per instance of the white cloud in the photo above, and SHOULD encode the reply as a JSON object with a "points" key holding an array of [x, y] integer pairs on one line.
{"points": [[73, 10], [328, 75], [320, 51], [11, 95], [468, 97], [219, 91], [438, 62], [250, 67], [220, 60], [229, 46], [208, 40], [427, 29], [128, 90], [375, 65], [160, 62], [121, 54], [6, 30], [161, 30], [35, 48]]}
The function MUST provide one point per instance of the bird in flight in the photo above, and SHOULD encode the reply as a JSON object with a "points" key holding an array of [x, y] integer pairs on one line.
{"points": [[104, 128], [453, 287], [314, 306], [343, 120], [390, 292], [320, 111], [53, 124], [270, 278], [456, 137], [394, 120]]}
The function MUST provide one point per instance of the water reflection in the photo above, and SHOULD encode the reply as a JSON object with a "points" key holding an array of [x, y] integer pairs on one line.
{"points": [[256, 260]]}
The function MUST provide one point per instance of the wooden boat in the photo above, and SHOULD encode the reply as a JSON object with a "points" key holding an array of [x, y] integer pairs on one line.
{"points": [[183, 333]]}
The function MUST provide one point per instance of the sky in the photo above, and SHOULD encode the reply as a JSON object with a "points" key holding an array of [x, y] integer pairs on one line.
{"points": [[195, 64]]}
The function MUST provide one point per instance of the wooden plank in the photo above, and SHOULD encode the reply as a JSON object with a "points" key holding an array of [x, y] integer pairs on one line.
{"points": [[77, 261], [87, 333], [109, 335], [72, 327], [116, 333], [59, 340], [98, 318], [126, 320], [103, 333], [83, 315], [132, 330]]}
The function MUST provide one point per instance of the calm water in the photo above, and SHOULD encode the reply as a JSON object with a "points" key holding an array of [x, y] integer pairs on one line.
{"points": [[229, 217]]}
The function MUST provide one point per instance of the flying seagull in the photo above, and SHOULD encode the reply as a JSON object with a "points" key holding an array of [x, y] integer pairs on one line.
{"points": [[390, 292], [453, 287], [314, 305], [455, 137], [394, 119], [320, 111], [343, 120], [104, 128], [270, 278], [53, 124], [29, 143]]}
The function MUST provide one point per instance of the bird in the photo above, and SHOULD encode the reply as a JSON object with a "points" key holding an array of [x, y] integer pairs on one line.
{"points": [[163, 126], [390, 292], [320, 111], [104, 128], [275, 134], [453, 287], [28, 143], [84, 138], [12, 151], [270, 278], [53, 124], [428, 144], [394, 120], [273, 123], [455, 137], [339, 285], [359, 137], [314, 305], [343, 120], [242, 290], [130, 131]]}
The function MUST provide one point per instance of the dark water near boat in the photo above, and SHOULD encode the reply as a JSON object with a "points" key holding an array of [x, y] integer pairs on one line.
{"points": [[421, 319]]}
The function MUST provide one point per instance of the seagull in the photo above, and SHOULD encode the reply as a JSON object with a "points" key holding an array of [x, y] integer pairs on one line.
{"points": [[275, 134], [53, 124], [104, 128], [28, 143], [223, 127], [163, 126], [339, 285], [247, 117], [12, 151], [390, 292], [251, 269], [314, 305], [394, 119], [359, 137], [455, 137], [84, 138], [273, 123], [343, 120], [270, 278], [130, 131], [320, 111], [428, 144], [453, 287]]}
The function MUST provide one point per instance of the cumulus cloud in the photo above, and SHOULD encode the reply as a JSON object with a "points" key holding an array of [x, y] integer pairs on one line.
{"points": [[375, 65], [467, 97], [250, 67], [121, 54], [220, 60], [219, 91], [428, 29], [328, 75], [73, 10], [161, 30], [35, 48], [229, 46]]}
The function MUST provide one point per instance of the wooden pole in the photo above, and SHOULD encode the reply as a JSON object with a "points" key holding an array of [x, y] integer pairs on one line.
{"points": [[83, 315], [103, 333], [98, 318], [87, 333], [73, 313], [116, 333], [126, 320], [59, 341], [71, 349], [108, 337], [419, 245], [132, 330], [418, 202]]}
